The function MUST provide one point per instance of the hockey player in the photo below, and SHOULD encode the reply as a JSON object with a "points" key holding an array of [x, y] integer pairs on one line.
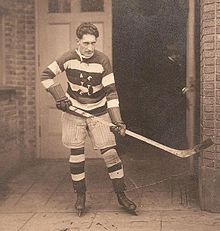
{"points": [[91, 87]]}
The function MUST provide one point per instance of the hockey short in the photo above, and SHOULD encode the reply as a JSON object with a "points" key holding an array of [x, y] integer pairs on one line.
{"points": [[75, 129]]}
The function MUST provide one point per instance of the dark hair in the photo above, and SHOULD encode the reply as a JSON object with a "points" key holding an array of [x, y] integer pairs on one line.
{"points": [[87, 28]]}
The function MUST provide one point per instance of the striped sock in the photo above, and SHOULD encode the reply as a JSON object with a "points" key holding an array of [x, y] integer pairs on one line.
{"points": [[77, 165]]}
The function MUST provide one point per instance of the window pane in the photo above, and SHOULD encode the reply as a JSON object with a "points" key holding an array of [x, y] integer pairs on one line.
{"points": [[59, 6], [92, 5]]}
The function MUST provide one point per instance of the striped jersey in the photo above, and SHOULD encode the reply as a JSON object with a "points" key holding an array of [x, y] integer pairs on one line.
{"points": [[91, 83]]}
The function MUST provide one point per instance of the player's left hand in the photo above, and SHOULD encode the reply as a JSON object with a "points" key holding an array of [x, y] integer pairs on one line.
{"points": [[119, 128]]}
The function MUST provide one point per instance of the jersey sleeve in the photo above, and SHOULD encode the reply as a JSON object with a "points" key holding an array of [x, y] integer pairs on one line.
{"points": [[52, 70], [108, 82]]}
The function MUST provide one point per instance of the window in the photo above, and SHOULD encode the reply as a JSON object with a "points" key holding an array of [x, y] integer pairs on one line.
{"points": [[59, 6], [92, 5]]}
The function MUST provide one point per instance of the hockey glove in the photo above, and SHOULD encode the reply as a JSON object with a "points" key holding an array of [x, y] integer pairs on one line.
{"points": [[120, 129], [62, 102], [115, 116]]}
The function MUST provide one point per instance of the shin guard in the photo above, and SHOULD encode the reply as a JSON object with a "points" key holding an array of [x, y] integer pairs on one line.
{"points": [[115, 168]]}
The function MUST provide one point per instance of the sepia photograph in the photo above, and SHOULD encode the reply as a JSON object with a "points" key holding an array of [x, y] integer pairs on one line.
{"points": [[109, 115]]}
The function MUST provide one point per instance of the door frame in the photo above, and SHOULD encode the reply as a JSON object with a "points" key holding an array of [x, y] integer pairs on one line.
{"points": [[37, 65]]}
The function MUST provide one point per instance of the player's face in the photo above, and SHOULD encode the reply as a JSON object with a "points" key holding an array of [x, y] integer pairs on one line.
{"points": [[86, 45]]}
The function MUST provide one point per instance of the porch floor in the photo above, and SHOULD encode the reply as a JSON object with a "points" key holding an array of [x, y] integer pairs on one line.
{"points": [[40, 197]]}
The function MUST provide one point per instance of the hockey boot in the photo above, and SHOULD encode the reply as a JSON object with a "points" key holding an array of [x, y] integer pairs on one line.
{"points": [[129, 205], [80, 203]]}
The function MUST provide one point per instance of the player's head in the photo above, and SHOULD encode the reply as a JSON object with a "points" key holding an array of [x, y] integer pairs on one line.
{"points": [[87, 34]]}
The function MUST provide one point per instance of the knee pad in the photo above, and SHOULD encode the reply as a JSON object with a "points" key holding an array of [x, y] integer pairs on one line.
{"points": [[111, 157]]}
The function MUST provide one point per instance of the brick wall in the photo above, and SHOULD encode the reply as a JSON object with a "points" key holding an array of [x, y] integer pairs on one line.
{"points": [[210, 104], [17, 111]]}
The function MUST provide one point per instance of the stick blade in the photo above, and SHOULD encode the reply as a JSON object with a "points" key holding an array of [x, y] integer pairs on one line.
{"points": [[205, 144], [196, 149]]}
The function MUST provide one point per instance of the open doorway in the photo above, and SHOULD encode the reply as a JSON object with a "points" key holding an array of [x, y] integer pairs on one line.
{"points": [[149, 43]]}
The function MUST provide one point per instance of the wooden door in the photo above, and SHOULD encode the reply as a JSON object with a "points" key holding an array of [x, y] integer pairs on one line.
{"points": [[57, 23]]}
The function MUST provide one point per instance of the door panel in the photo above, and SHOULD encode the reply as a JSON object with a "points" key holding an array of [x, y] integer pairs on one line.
{"points": [[100, 45], [59, 39], [56, 34]]}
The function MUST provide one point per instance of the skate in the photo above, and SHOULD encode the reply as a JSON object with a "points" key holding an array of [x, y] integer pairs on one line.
{"points": [[80, 203], [126, 203]]}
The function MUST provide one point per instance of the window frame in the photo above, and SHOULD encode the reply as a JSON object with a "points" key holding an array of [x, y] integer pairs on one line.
{"points": [[60, 7], [91, 10]]}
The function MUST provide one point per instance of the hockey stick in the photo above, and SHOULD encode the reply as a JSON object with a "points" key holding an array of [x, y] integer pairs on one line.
{"points": [[180, 153]]}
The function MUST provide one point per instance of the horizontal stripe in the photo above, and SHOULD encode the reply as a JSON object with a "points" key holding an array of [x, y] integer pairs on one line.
{"points": [[108, 79], [77, 158], [73, 76], [112, 96], [81, 66], [47, 74], [115, 167], [116, 174], [77, 151], [77, 170], [76, 87], [47, 83], [84, 98], [110, 89], [107, 149], [77, 165], [78, 177], [113, 103], [86, 106], [99, 111], [54, 67]]}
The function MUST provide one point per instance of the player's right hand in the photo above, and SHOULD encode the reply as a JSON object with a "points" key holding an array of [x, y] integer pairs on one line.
{"points": [[63, 104]]}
